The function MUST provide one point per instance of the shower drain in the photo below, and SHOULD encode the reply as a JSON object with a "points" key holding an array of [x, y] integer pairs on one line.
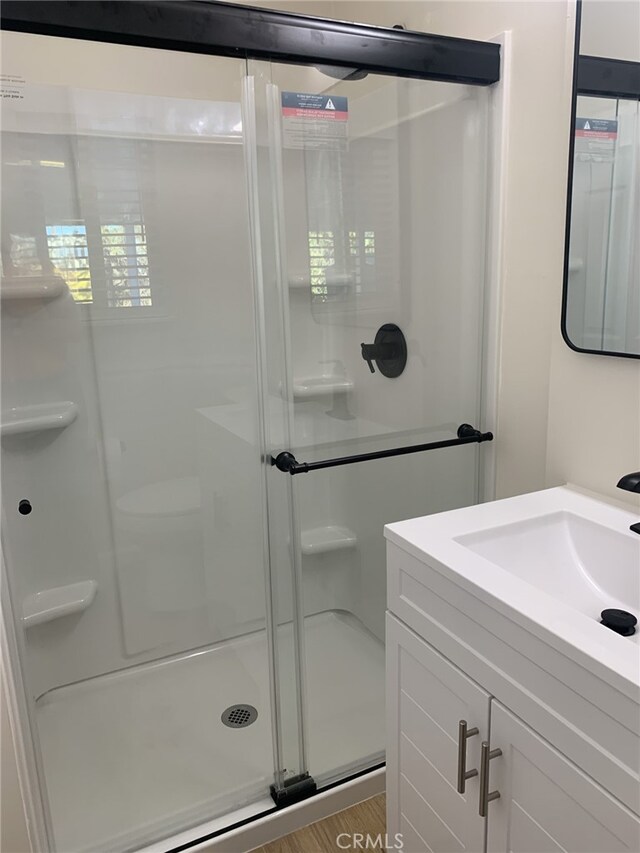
{"points": [[239, 716]]}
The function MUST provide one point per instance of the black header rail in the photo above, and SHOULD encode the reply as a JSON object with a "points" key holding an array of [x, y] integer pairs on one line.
{"points": [[246, 32], [601, 77]]}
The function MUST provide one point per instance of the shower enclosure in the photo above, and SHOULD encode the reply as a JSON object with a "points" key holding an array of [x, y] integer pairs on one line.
{"points": [[212, 256]]}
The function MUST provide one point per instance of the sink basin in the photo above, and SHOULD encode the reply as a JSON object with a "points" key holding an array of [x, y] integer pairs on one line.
{"points": [[588, 566], [551, 562]]}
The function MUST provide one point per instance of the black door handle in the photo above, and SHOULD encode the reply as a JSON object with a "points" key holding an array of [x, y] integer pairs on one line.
{"points": [[466, 434]]}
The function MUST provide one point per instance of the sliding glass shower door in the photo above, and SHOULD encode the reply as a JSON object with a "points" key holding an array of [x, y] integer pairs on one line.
{"points": [[206, 270], [134, 502], [373, 282]]}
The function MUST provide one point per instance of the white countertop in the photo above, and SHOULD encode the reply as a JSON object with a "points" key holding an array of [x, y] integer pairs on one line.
{"points": [[435, 541]]}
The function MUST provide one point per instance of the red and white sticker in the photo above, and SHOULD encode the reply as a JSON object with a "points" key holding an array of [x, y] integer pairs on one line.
{"points": [[595, 139], [314, 121]]}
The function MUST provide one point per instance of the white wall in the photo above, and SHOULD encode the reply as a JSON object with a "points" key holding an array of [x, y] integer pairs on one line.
{"points": [[611, 28], [594, 420]]}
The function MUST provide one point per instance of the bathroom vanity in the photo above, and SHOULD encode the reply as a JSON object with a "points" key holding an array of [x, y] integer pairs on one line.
{"points": [[512, 712]]}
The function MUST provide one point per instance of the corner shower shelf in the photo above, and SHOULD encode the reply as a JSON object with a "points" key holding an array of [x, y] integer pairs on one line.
{"points": [[321, 540], [32, 287], [57, 602], [42, 416], [299, 282], [315, 386]]}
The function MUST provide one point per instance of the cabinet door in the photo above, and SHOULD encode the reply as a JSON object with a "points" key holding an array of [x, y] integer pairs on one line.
{"points": [[426, 698], [547, 803]]}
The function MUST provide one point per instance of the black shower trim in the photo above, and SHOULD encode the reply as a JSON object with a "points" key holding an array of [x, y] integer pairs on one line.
{"points": [[288, 464], [601, 77], [247, 32]]}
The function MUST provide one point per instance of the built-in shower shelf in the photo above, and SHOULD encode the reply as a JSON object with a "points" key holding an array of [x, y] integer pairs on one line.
{"points": [[335, 282], [32, 287], [320, 386], [575, 264], [299, 282], [321, 540], [39, 417], [55, 603]]}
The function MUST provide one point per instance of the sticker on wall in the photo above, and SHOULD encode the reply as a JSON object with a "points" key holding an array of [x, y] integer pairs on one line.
{"points": [[314, 121], [595, 139]]}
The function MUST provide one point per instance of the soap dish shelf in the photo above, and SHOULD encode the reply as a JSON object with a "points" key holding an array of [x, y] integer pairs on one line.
{"points": [[337, 282], [322, 540], [55, 603], [39, 417], [300, 282], [320, 386], [32, 287]]}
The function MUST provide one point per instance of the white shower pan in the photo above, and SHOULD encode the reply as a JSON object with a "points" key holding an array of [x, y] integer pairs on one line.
{"points": [[145, 751]]}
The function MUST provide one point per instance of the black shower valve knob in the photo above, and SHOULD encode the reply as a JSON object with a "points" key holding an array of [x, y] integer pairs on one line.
{"points": [[388, 351]]}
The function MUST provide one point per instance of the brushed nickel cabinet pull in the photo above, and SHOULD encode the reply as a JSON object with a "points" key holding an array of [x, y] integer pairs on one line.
{"points": [[486, 754], [463, 773]]}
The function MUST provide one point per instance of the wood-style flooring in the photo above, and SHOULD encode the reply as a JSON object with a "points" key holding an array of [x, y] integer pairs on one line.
{"points": [[322, 837]]}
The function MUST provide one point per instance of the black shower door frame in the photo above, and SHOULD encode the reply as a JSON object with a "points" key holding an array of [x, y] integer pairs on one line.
{"points": [[246, 32]]}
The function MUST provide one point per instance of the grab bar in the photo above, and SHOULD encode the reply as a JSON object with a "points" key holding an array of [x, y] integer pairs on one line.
{"points": [[287, 462]]}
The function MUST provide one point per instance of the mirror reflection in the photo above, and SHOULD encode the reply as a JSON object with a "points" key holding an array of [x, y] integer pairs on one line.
{"points": [[602, 270]]}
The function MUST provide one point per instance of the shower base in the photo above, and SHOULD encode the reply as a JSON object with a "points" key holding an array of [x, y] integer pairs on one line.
{"points": [[143, 752]]}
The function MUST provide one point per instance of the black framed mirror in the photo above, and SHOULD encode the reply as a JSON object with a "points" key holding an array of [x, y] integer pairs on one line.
{"points": [[601, 295]]}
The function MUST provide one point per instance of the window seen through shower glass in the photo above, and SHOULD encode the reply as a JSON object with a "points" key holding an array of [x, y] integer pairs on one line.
{"points": [[350, 197], [96, 242], [327, 252]]}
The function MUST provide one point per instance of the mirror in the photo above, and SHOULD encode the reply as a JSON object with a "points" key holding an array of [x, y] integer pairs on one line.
{"points": [[601, 303]]}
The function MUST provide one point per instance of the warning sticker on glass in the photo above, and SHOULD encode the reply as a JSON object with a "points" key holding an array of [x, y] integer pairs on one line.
{"points": [[596, 139], [11, 87], [314, 121]]}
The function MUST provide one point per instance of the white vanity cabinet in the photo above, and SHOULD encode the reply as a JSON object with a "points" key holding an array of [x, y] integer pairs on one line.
{"points": [[565, 771], [426, 699], [546, 802]]}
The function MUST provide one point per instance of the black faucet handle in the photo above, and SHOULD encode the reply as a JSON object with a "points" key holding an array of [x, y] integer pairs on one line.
{"points": [[369, 353], [630, 482]]}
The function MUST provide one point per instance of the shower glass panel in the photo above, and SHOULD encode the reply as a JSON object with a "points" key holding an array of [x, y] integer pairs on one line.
{"points": [[379, 204], [132, 474]]}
